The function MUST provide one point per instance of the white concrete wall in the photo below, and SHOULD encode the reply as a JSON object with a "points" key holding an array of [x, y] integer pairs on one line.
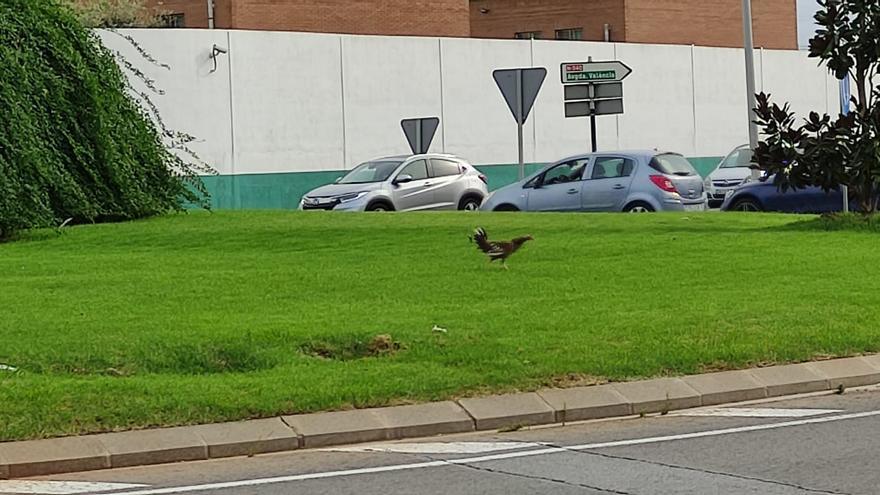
{"points": [[477, 123], [658, 98], [385, 77], [286, 101], [290, 102], [196, 101], [720, 108]]}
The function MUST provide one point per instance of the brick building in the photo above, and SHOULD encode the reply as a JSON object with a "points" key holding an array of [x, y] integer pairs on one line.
{"points": [[698, 22], [388, 17]]}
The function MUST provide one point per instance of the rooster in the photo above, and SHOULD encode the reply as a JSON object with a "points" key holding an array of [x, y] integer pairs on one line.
{"points": [[498, 250]]}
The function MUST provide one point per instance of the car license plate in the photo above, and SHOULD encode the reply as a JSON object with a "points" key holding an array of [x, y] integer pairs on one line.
{"points": [[696, 207]]}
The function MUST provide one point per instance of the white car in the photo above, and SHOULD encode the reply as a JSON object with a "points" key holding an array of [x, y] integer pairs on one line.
{"points": [[403, 183], [732, 171]]}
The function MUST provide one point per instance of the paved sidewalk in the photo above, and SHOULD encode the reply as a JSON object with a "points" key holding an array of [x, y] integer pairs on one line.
{"points": [[548, 406]]}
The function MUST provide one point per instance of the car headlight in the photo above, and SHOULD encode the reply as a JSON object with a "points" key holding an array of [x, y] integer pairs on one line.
{"points": [[344, 198]]}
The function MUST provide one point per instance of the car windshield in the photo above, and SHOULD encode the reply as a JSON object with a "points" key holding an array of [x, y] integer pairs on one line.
{"points": [[376, 171], [741, 157], [672, 164]]}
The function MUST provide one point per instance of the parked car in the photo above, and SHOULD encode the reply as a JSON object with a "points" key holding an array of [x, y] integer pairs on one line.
{"points": [[763, 195], [631, 181], [731, 172], [403, 183]]}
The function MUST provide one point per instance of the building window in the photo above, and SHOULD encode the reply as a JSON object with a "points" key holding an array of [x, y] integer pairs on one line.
{"points": [[528, 35], [172, 20], [570, 34]]}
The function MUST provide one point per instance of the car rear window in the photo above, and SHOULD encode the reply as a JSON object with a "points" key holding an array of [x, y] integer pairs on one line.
{"points": [[671, 164]]}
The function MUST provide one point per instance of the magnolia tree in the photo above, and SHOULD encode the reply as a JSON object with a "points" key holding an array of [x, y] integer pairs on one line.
{"points": [[828, 151]]}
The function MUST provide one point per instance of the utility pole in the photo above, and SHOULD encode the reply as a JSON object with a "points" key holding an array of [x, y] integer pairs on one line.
{"points": [[749, 46], [210, 14]]}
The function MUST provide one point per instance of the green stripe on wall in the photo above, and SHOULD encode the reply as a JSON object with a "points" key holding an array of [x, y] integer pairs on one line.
{"points": [[264, 191], [284, 190]]}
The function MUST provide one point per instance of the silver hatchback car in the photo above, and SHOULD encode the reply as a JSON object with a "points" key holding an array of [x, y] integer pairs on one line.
{"points": [[631, 181], [402, 183]]}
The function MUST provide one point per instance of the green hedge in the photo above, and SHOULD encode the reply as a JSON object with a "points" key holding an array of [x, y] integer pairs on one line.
{"points": [[73, 144]]}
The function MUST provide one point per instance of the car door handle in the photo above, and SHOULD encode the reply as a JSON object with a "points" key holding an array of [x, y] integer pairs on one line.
{"points": [[572, 191], [427, 184], [619, 186]]}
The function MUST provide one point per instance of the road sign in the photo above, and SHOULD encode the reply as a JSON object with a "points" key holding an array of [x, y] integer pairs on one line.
{"points": [[845, 96], [520, 87], [595, 107], [420, 133], [599, 91], [523, 82], [580, 72], [593, 88]]}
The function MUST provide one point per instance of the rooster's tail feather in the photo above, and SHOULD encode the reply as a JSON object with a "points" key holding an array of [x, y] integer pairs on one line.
{"points": [[481, 240]]}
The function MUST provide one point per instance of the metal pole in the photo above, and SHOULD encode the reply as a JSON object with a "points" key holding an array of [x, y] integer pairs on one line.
{"points": [[749, 47], [210, 14], [519, 122], [844, 110], [593, 129], [592, 94]]}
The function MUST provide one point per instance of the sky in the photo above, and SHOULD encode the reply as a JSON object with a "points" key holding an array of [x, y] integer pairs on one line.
{"points": [[806, 27]]}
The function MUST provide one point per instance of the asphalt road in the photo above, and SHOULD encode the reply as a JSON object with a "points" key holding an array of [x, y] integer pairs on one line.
{"points": [[819, 445]]}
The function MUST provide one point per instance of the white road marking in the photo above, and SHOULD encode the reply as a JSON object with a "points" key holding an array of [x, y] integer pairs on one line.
{"points": [[437, 447], [498, 457], [756, 412], [61, 487]]}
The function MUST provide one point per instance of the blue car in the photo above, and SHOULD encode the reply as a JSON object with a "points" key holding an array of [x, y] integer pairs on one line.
{"points": [[762, 195]]}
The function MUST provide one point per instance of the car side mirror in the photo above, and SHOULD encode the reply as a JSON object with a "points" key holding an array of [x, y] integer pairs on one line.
{"points": [[337, 180], [403, 179]]}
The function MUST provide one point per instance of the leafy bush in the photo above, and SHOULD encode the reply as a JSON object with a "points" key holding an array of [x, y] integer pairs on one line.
{"points": [[73, 143], [114, 13]]}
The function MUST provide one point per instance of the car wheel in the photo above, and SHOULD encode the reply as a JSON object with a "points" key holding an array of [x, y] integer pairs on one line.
{"points": [[746, 204], [638, 207], [380, 206], [506, 208], [469, 203]]}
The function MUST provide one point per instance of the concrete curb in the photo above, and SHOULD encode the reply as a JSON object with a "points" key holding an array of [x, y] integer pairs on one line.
{"points": [[548, 406]]}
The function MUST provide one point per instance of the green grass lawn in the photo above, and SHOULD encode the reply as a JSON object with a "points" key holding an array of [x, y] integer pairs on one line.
{"points": [[207, 317]]}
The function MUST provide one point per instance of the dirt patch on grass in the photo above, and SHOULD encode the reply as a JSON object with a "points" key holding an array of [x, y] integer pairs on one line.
{"points": [[570, 380], [347, 349]]}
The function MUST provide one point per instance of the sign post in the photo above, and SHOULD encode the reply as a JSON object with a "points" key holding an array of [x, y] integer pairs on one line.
{"points": [[845, 96], [420, 132], [520, 87], [593, 88]]}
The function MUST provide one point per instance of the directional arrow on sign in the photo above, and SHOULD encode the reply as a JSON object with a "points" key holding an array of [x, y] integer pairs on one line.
{"points": [[580, 72]]}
